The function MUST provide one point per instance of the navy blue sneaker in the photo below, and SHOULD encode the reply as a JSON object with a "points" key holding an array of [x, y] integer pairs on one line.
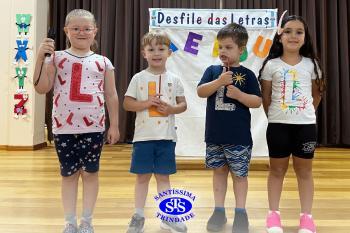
{"points": [[217, 221]]}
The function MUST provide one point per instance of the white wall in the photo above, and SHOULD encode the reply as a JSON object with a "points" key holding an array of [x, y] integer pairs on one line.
{"points": [[29, 131]]}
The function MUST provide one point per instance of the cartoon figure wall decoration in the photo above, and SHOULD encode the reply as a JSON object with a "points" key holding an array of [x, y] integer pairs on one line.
{"points": [[21, 62], [21, 74], [19, 108], [22, 46], [23, 23]]}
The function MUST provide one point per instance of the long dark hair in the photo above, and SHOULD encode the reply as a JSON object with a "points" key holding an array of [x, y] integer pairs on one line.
{"points": [[307, 50]]}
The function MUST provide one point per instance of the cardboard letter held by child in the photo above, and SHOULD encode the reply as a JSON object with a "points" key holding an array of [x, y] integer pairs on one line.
{"points": [[152, 90]]}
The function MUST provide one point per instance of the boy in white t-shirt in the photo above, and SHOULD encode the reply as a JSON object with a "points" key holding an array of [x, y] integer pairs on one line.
{"points": [[156, 95]]}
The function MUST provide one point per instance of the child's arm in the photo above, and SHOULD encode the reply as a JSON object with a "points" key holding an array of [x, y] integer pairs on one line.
{"points": [[179, 107], [249, 100], [44, 74], [112, 102], [316, 94], [266, 91], [133, 105], [207, 89]]}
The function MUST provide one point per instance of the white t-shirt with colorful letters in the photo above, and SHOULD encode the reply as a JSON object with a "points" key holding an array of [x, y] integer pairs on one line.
{"points": [[291, 99]]}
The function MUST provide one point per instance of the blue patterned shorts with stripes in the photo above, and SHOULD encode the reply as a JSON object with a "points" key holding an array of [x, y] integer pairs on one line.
{"points": [[236, 157]]}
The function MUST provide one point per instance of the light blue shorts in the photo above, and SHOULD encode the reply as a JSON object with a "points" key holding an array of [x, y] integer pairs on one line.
{"points": [[157, 156], [237, 157]]}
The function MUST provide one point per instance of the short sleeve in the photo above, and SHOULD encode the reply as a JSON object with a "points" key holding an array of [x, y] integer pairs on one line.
{"points": [[266, 72], [179, 88], [253, 85], [109, 65], [313, 76], [132, 88], [207, 76]]}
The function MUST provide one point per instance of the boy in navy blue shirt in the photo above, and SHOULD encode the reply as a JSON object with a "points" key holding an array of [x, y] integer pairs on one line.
{"points": [[230, 89]]}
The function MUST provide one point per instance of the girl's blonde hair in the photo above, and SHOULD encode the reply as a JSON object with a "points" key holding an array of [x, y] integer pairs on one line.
{"points": [[85, 14]]}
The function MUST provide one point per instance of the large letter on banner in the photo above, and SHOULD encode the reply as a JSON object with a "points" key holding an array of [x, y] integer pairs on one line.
{"points": [[193, 33]]}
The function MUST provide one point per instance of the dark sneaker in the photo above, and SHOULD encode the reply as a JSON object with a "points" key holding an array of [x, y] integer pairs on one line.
{"points": [[70, 228], [217, 221], [240, 223], [174, 227], [136, 224], [85, 227]]}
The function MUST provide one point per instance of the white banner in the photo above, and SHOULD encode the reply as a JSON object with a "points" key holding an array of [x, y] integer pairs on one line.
{"points": [[194, 49], [209, 19]]}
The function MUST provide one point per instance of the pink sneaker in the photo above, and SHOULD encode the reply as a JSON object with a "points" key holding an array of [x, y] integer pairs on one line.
{"points": [[307, 224], [273, 222]]}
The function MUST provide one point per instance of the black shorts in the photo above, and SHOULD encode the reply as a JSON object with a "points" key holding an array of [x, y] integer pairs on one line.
{"points": [[79, 151], [286, 139]]}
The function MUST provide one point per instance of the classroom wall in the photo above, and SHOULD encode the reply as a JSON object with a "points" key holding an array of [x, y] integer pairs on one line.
{"points": [[25, 132]]}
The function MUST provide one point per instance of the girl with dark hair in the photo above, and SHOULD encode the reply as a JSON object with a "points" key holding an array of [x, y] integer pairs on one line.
{"points": [[292, 84]]}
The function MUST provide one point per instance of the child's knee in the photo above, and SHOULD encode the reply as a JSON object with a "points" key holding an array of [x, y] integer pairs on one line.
{"points": [[89, 175], [303, 173], [143, 178], [162, 178], [278, 171], [241, 179], [72, 178], [221, 170]]}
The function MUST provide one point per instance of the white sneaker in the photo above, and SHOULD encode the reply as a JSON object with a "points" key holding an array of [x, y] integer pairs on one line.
{"points": [[174, 227], [70, 228]]}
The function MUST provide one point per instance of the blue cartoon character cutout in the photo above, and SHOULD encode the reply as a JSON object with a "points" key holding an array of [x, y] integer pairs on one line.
{"points": [[22, 46]]}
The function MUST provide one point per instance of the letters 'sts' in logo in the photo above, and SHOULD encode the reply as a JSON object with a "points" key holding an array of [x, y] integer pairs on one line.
{"points": [[175, 205]]}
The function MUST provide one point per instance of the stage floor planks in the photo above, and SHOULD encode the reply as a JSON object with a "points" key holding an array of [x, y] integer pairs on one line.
{"points": [[30, 193]]}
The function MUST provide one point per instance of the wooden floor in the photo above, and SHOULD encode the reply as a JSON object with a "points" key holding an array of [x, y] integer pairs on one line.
{"points": [[30, 193]]}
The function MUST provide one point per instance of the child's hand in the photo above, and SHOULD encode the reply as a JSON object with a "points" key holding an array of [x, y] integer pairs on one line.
{"points": [[113, 135], [165, 108], [226, 77], [153, 101], [233, 92], [47, 46]]}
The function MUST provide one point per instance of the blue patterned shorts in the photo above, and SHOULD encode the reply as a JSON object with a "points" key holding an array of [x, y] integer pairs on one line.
{"points": [[79, 151], [237, 157]]}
